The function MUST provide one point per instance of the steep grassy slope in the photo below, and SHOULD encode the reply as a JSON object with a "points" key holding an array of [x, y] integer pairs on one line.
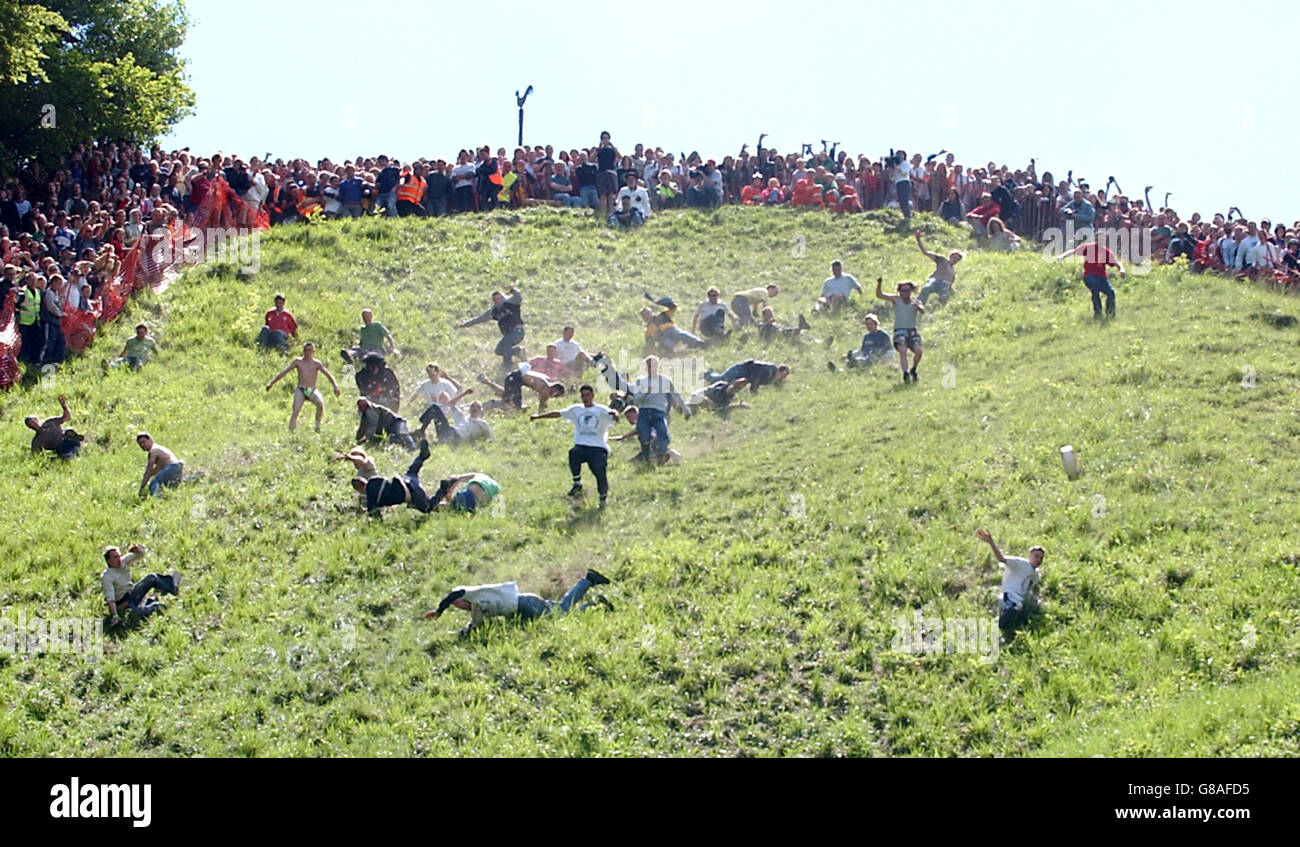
{"points": [[757, 586]]}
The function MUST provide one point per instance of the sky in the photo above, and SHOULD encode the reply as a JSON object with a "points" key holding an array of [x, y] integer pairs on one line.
{"points": [[1152, 93]]}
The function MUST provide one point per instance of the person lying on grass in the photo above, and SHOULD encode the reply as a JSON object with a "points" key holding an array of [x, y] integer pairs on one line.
{"points": [[718, 395], [504, 600], [1019, 579], [401, 490], [511, 389], [361, 460], [754, 373], [50, 434], [308, 366]]}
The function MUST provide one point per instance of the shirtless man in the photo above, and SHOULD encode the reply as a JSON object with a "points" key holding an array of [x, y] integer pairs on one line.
{"points": [[361, 460], [941, 281], [511, 391], [162, 465], [308, 367]]}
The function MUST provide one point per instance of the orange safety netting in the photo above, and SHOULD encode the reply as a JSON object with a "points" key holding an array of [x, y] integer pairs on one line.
{"points": [[154, 262]]}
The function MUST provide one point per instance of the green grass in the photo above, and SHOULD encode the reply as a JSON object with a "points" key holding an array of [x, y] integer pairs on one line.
{"points": [[749, 621]]}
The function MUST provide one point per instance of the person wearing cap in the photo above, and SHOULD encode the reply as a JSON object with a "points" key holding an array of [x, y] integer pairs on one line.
{"points": [[907, 312], [504, 600], [876, 346], [506, 311], [279, 327], [944, 275], [591, 423], [378, 383], [661, 331], [753, 194], [836, 289], [845, 196], [308, 366], [711, 316], [1019, 579]]}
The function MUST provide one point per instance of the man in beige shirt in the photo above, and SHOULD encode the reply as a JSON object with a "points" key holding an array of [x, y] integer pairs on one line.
{"points": [[118, 587]]}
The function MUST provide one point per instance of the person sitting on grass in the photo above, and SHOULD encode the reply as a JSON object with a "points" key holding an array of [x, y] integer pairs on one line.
{"points": [[372, 337], [472, 428], [279, 327], [661, 332], [1001, 238], [745, 304], [944, 275], [906, 314], [119, 589], [50, 434], [876, 346], [162, 468], [504, 600], [1019, 579], [511, 388], [769, 329], [308, 366], [572, 356], [378, 421], [710, 320], [836, 290], [626, 216], [136, 351]]}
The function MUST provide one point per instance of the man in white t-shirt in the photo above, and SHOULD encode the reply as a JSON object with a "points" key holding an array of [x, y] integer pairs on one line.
{"points": [[571, 353], [504, 600], [639, 196], [591, 422], [430, 390], [836, 289], [1019, 579]]}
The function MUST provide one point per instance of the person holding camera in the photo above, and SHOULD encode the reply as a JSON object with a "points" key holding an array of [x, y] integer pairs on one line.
{"points": [[900, 173]]}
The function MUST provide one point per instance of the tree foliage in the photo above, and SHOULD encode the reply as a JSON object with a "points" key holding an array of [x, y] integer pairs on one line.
{"points": [[82, 69]]}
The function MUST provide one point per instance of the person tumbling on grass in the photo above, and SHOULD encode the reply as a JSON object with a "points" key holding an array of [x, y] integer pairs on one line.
{"points": [[381, 492], [591, 423], [308, 366], [119, 589], [941, 281], [1019, 578], [503, 600], [906, 335]]}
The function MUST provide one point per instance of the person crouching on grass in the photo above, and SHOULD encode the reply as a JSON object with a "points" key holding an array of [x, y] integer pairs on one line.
{"points": [[1019, 579]]}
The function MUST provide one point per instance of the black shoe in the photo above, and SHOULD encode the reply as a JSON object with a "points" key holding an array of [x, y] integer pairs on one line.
{"points": [[424, 449], [347, 357], [600, 598], [602, 502], [803, 323], [831, 366], [596, 578], [643, 456], [830, 340], [576, 489], [906, 377], [914, 376]]}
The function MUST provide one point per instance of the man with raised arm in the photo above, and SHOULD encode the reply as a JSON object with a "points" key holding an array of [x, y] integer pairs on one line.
{"points": [[591, 423], [1019, 578], [944, 275], [906, 314], [308, 366]]}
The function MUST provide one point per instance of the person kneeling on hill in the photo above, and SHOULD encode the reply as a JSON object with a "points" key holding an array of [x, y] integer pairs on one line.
{"points": [[1019, 578], [377, 420], [504, 600], [119, 589]]}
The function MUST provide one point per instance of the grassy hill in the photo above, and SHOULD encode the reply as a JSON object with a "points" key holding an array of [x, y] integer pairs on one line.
{"points": [[757, 586]]}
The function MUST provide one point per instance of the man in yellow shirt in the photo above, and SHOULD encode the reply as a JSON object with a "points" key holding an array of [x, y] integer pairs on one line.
{"points": [[746, 304]]}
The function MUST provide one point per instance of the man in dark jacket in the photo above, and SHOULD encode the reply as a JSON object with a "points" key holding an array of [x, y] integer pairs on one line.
{"points": [[378, 421], [377, 382], [506, 312]]}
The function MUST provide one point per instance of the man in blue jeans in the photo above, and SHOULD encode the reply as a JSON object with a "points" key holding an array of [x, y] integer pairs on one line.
{"points": [[162, 467], [506, 312], [1097, 257], [118, 588], [503, 600], [386, 186], [653, 394]]}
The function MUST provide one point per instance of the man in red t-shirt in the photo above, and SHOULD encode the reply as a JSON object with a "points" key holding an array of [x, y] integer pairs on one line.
{"points": [[752, 194], [280, 325], [1096, 258], [980, 216]]}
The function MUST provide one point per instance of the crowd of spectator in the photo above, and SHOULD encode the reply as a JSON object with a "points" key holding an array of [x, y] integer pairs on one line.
{"points": [[64, 232]]}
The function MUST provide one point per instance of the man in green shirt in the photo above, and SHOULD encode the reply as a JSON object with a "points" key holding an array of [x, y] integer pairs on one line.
{"points": [[372, 337], [136, 351], [476, 490]]}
